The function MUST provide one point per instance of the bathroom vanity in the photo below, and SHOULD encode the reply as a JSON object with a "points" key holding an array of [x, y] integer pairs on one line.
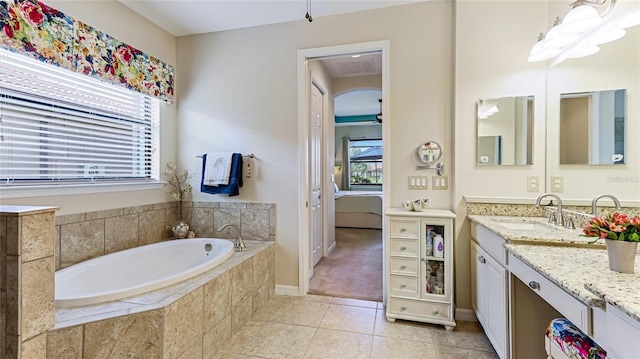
{"points": [[526, 272], [421, 266]]}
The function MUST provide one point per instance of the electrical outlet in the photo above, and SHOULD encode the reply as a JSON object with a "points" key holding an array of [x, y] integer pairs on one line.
{"points": [[557, 184], [440, 183], [418, 182], [532, 183]]}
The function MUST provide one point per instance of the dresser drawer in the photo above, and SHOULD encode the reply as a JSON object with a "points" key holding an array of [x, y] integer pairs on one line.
{"points": [[574, 310], [419, 308], [405, 286], [404, 228], [401, 265], [404, 247]]}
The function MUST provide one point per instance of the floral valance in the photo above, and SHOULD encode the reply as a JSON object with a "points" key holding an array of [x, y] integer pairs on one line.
{"points": [[32, 28]]}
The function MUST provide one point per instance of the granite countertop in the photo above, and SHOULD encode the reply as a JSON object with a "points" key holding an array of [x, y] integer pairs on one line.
{"points": [[541, 232], [587, 265], [620, 290]]}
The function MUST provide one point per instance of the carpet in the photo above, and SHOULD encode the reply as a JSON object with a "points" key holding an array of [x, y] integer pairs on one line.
{"points": [[353, 269]]}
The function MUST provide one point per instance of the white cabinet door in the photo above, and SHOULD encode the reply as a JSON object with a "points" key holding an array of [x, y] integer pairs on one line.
{"points": [[496, 305], [489, 297]]}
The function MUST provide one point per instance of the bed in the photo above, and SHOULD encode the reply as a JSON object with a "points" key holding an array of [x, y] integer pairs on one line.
{"points": [[359, 209]]}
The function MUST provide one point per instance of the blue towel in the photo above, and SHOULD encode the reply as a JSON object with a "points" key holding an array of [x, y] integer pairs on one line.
{"points": [[235, 178]]}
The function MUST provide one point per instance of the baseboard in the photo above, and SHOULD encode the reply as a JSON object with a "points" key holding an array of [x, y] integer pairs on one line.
{"points": [[466, 315], [331, 248], [287, 290]]}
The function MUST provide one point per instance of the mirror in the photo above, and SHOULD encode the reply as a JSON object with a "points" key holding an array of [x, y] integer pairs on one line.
{"points": [[505, 131], [429, 152], [592, 128]]}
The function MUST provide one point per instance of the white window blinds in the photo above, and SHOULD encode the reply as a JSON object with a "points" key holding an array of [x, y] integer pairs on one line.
{"points": [[59, 127]]}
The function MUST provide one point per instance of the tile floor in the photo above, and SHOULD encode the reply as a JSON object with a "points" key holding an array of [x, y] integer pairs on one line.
{"points": [[331, 327]]}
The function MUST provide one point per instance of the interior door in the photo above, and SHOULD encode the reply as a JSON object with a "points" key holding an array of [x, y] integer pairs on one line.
{"points": [[316, 174]]}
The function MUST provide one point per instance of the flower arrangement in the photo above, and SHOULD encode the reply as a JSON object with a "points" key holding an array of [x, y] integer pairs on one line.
{"points": [[180, 187], [616, 226]]}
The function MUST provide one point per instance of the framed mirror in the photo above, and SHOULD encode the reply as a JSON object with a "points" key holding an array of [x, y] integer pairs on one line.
{"points": [[592, 128], [429, 152], [505, 131]]}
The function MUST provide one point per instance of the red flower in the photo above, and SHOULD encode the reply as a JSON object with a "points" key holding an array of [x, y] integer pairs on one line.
{"points": [[635, 221], [31, 13], [124, 54], [8, 31]]}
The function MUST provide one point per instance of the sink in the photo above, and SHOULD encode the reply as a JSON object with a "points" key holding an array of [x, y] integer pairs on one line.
{"points": [[526, 226]]}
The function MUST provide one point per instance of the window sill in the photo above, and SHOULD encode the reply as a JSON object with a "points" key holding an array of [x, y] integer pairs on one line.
{"points": [[75, 189]]}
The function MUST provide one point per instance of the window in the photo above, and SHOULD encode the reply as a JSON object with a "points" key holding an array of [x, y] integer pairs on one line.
{"points": [[59, 127], [365, 162]]}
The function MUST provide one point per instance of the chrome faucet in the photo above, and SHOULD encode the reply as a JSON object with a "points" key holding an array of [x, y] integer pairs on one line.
{"points": [[594, 203], [559, 218], [239, 243]]}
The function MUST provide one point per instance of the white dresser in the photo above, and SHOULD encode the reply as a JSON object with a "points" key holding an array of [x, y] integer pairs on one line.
{"points": [[421, 266]]}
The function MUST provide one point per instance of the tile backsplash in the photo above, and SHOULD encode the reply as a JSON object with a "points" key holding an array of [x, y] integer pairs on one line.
{"points": [[82, 236]]}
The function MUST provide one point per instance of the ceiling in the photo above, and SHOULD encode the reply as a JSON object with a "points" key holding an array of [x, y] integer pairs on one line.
{"points": [[188, 17]]}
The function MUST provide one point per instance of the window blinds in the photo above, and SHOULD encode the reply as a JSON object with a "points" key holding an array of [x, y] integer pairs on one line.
{"points": [[58, 126]]}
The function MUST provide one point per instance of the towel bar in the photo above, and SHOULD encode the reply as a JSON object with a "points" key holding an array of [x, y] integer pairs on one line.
{"points": [[251, 155]]}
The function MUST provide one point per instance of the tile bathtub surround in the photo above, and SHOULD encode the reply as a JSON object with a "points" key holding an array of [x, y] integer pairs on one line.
{"points": [[83, 236], [191, 319], [27, 286]]}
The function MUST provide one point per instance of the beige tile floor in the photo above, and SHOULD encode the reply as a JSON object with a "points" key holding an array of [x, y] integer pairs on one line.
{"points": [[334, 328]]}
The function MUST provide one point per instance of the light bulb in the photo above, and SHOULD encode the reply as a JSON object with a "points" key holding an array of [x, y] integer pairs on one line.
{"points": [[608, 36], [556, 39], [540, 53], [583, 52]]}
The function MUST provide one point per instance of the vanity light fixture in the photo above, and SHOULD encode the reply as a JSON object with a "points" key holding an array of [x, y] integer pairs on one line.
{"points": [[583, 29]]}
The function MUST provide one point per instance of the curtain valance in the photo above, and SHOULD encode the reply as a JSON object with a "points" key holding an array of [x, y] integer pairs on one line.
{"points": [[35, 29]]}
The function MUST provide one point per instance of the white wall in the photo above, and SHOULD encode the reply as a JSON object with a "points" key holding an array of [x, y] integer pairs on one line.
{"points": [[238, 92], [493, 40], [118, 21]]}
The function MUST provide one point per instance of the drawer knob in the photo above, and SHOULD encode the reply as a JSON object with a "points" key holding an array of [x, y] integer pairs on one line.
{"points": [[402, 230], [403, 267], [403, 248], [436, 312], [481, 259], [534, 285], [402, 309], [403, 285]]}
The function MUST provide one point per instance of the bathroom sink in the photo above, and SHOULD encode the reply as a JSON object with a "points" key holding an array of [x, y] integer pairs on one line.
{"points": [[525, 226]]}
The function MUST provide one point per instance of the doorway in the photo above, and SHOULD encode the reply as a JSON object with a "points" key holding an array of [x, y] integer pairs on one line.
{"points": [[309, 221]]}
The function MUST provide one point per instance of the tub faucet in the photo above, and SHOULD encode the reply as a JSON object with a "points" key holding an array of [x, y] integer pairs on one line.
{"points": [[594, 203], [559, 218], [239, 243]]}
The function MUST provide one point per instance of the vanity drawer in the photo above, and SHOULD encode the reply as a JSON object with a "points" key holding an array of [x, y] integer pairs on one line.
{"points": [[404, 228], [404, 286], [404, 247], [492, 243], [574, 310], [407, 266], [418, 308]]}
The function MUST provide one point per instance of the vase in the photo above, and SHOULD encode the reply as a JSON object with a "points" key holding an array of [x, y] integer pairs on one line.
{"points": [[180, 230], [622, 255]]}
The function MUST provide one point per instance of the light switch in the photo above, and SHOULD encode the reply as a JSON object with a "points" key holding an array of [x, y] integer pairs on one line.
{"points": [[418, 182], [440, 182]]}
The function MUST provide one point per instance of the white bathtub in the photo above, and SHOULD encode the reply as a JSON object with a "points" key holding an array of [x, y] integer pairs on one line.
{"points": [[138, 270]]}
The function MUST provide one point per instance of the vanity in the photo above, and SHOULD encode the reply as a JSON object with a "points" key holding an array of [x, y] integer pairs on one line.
{"points": [[526, 272]]}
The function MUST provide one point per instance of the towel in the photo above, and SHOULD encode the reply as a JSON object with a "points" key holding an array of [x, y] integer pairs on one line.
{"points": [[235, 178], [217, 169]]}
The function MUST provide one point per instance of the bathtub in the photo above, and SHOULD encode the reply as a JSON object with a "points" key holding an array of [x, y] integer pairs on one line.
{"points": [[138, 270]]}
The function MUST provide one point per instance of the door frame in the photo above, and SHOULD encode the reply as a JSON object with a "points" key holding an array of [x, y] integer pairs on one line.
{"points": [[304, 96]]}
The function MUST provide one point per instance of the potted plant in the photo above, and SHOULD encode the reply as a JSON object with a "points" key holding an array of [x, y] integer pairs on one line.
{"points": [[622, 234], [180, 192]]}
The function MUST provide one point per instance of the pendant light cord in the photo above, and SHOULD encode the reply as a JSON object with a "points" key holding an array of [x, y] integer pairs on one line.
{"points": [[308, 15]]}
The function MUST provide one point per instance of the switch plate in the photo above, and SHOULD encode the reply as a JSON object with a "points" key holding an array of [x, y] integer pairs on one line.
{"points": [[418, 182], [532, 183], [557, 184], [440, 183]]}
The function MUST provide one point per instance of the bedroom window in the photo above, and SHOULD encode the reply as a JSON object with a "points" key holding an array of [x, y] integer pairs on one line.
{"points": [[365, 162], [59, 127]]}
